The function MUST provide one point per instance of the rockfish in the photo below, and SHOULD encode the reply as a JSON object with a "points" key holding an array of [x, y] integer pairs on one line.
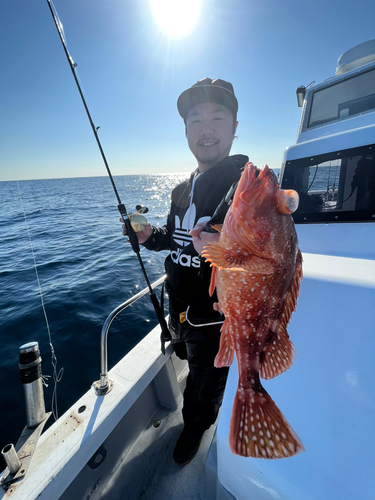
{"points": [[257, 268]]}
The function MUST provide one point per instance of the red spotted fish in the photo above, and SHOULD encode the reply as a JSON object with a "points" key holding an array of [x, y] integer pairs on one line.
{"points": [[257, 268]]}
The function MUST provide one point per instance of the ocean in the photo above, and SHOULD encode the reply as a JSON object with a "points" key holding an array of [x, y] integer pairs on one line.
{"points": [[86, 269]]}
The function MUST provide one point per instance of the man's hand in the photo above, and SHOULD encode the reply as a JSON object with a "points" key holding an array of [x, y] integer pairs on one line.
{"points": [[201, 238], [141, 235]]}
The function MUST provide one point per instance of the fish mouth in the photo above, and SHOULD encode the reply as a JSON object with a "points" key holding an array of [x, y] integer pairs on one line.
{"points": [[253, 184]]}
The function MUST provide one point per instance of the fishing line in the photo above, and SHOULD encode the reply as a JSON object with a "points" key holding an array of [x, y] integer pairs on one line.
{"points": [[121, 207], [55, 376]]}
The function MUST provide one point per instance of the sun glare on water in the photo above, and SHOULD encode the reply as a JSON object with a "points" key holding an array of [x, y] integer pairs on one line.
{"points": [[176, 17]]}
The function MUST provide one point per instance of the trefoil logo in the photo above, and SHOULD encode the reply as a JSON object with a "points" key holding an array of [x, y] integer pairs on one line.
{"points": [[181, 233]]}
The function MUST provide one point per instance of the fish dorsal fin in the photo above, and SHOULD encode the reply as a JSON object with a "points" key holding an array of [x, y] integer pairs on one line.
{"points": [[280, 352], [236, 259], [291, 295]]}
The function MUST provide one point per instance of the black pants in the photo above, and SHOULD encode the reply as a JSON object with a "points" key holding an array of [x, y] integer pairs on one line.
{"points": [[205, 384]]}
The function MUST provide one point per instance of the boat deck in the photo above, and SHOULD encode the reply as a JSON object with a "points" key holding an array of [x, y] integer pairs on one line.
{"points": [[166, 478], [120, 446], [147, 471]]}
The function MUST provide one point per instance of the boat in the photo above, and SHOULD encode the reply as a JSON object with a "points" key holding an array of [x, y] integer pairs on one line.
{"points": [[116, 441]]}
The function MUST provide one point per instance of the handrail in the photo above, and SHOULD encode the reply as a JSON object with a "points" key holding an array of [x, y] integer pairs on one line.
{"points": [[104, 385]]}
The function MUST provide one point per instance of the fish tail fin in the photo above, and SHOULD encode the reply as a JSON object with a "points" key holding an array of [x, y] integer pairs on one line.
{"points": [[225, 355], [258, 429]]}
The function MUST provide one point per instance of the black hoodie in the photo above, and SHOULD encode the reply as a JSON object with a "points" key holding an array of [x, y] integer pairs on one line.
{"points": [[186, 289]]}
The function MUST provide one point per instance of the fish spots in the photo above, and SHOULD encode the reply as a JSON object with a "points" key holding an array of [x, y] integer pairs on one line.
{"points": [[255, 302]]}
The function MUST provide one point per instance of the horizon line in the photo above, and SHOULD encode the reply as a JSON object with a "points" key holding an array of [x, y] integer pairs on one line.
{"points": [[91, 176]]}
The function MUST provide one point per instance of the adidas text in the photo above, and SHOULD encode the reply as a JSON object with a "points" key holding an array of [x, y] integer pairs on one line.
{"points": [[184, 260]]}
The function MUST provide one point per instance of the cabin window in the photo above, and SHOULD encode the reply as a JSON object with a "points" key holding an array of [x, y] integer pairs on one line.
{"points": [[345, 99], [337, 187]]}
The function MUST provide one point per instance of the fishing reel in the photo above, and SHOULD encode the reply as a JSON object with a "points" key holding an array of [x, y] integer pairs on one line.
{"points": [[137, 220]]}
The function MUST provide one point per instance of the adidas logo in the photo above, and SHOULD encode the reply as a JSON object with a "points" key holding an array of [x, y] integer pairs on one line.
{"points": [[185, 260], [181, 233]]}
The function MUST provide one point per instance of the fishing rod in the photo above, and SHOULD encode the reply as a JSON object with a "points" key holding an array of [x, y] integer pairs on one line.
{"points": [[121, 207]]}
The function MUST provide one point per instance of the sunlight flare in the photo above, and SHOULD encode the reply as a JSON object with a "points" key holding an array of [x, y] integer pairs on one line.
{"points": [[176, 17]]}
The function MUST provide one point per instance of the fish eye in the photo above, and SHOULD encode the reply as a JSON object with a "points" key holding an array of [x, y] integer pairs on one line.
{"points": [[287, 201]]}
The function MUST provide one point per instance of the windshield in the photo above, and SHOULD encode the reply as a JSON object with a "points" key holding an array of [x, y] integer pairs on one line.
{"points": [[337, 187], [342, 100]]}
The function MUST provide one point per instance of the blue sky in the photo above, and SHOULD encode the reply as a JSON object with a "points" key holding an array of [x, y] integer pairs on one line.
{"points": [[132, 74]]}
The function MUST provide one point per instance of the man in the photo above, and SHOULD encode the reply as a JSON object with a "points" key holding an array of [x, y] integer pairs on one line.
{"points": [[209, 110]]}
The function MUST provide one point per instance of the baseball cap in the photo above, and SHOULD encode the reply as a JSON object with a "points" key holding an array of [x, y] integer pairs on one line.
{"points": [[208, 90]]}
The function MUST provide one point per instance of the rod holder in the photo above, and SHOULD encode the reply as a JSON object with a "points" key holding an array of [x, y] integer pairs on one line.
{"points": [[31, 378], [11, 458]]}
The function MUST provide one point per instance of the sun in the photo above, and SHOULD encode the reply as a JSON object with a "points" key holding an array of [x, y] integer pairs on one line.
{"points": [[176, 17]]}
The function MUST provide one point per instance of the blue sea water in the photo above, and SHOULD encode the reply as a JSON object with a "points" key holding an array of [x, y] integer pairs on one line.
{"points": [[85, 269]]}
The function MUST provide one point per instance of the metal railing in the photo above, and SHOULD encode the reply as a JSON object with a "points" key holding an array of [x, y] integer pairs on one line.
{"points": [[104, 385]]}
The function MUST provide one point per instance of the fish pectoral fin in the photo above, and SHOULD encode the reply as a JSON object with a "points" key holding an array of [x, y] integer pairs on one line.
{"points": [[236, 259], [257, 265], [214, 253], [258, 429], [277, 356], [225, 355]]}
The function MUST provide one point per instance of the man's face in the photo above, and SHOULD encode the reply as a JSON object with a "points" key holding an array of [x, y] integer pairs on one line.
{"points": [[210, 131]]}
